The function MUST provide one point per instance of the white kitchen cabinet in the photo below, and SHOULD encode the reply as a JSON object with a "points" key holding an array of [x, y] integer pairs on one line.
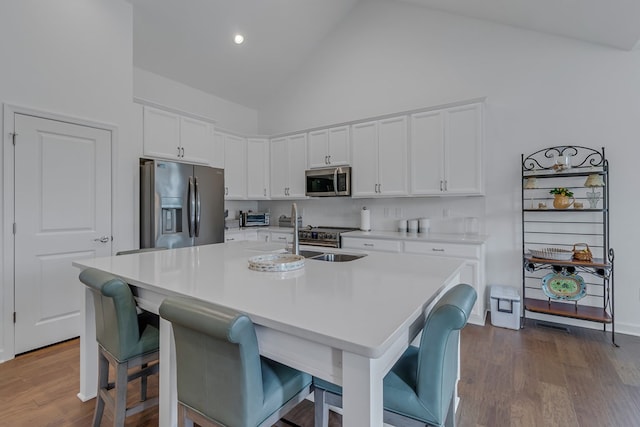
{"points": [[172, 136], [372, 244], [379, 158], [288, 164], [264, 235], [472, 273], [237, 235], [446, 151], [282, 237], [257, 168], [235, 166], [329, 147]]}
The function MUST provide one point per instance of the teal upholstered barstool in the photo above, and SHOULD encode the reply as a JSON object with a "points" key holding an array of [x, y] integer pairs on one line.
{"points": [[418, 390], [126, 340], [222, 379]]}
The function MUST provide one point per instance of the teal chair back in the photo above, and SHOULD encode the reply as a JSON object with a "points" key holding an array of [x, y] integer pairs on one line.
{"points": [[438, 358], [418, 389], [218, 361], [117, 327]]}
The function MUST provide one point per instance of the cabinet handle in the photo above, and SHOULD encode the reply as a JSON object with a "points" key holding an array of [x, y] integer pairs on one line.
{"points": [[380, 188], [441, 187], [178, 151], [264, 192], [445, 185], [282, 238], [328, 160], [226, 191], [230, 239], [437, 249], [368, 244]]}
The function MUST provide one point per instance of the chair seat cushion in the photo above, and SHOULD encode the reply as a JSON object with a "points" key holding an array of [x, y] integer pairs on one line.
{"points": [[280, 384], [399, 385]]}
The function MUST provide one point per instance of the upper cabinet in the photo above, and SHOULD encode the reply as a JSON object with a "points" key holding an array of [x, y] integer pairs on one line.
{"points": [[379, 158], [235, 166], [446, 151], [329, 147], [288, 164], [175, 137], [258, 168]]}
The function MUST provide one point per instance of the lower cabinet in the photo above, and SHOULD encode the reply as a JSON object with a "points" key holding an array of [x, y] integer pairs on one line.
{"points": [[239, 235], [473, 255]]}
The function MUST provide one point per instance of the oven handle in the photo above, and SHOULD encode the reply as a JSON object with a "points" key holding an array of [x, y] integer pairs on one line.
{"points": [[335, 181], [316, 243]]}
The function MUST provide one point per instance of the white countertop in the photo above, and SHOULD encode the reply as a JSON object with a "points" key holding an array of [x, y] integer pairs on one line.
{"points": [[354, 306], [468, 238]]}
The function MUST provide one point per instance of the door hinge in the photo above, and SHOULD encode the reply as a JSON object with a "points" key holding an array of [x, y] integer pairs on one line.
{"points": [[15, 227]]}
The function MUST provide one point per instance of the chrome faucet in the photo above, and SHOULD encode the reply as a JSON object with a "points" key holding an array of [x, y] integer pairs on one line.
{"points": [[295, 249]]}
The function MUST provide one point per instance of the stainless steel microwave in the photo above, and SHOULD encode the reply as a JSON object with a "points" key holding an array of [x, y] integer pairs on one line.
{"points": [[328, 182]]}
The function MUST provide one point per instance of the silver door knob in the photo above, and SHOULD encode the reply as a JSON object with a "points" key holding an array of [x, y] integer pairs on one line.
{"points": [[103, 239]]}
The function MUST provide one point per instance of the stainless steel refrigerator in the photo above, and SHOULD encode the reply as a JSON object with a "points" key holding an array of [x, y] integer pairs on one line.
{"points": [[180, 204]]}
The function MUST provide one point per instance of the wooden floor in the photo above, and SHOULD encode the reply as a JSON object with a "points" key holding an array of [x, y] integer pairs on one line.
{"points": [[538, 376]]}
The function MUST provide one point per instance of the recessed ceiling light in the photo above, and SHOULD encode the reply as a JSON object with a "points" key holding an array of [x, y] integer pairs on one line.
{"points": [[238, 39]]}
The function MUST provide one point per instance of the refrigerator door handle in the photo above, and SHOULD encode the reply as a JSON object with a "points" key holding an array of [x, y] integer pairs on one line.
{"points": [[191, 206], [197, 219]]}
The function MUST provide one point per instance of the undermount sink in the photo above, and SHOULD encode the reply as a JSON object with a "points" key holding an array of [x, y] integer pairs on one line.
{"points": [[331, 257], [310, 254]]}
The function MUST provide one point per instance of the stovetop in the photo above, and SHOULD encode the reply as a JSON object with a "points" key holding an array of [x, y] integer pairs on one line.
{"points": [[322, 236]]}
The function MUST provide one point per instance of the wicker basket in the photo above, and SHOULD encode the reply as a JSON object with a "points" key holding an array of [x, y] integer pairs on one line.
{"points": [[581, 252]]}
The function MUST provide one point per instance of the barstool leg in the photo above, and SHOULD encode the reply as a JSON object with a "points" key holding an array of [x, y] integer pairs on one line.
{"points": [[143, 384], [103, 384], [120, 410]]}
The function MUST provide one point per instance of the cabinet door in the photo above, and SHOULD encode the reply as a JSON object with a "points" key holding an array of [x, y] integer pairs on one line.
{"points": [[427, 153], [318, 148], [279, 174], [470, 274], [264, 236], [235, 168], [392, 157], [364, 145], [218, 150], [339, 146], [257, 168], [297, 147], [278, 237], [234, 235], [196, 140], [161, 134], [463, 156]]}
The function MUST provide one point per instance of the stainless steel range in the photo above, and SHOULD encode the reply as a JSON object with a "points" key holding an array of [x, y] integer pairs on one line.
{"points": [[322, 236]]}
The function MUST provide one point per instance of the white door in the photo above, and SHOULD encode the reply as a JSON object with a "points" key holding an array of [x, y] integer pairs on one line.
{"points": [[62, 213]]}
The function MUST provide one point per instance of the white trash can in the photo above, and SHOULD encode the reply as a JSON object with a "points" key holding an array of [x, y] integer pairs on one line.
{"points": [[505, 307]]}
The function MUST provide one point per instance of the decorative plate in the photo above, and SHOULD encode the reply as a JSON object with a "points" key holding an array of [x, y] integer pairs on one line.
{"points": [[552, 253], [276, 262], [564, 286]]}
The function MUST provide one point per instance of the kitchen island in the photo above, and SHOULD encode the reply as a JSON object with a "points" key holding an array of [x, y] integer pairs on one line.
{"points": [[345, 322]]}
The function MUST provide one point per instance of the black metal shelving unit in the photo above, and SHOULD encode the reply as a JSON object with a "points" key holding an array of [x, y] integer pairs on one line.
{"points": [[544, 226]]}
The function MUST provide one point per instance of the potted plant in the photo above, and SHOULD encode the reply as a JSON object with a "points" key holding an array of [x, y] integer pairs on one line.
{"points": [[563, 197]]}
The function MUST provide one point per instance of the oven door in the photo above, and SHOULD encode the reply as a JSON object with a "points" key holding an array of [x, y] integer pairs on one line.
{"points": [[328, 182]]}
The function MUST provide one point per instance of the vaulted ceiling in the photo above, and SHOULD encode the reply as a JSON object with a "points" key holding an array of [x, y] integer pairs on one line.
{"points": [[191, 41]]}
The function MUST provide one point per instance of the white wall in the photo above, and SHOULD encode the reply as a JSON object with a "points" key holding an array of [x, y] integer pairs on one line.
{"points": [[227, 115], [71, 57], [542, 90]]}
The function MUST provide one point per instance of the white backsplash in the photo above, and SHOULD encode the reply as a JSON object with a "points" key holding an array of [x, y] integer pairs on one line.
{"points": [[447, 214]]}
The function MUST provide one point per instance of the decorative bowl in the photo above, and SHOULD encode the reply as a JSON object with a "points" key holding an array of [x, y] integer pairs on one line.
{"points": [[276, 262], [555, 254]]}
